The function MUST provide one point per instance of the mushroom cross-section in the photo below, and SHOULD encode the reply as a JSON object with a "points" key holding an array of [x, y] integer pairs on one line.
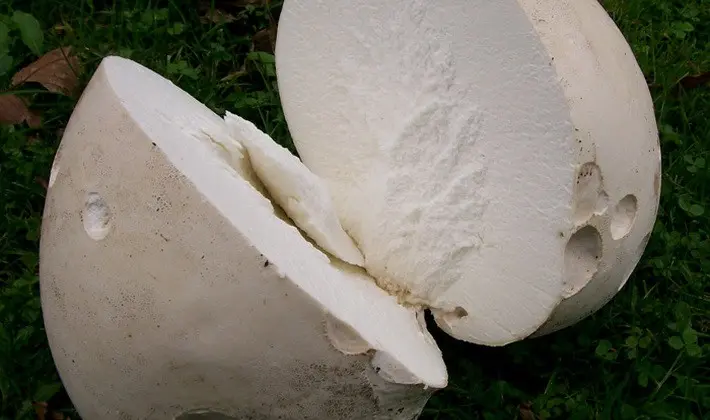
{"points": [[172, 287]]}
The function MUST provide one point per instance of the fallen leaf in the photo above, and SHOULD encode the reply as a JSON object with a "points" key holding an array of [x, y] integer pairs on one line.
{"points": [[45, 412], [43, 182], [58, 71], [13, 110], [40, 410], [526, 412], [265, 39], [691, 82], [34, 120]]}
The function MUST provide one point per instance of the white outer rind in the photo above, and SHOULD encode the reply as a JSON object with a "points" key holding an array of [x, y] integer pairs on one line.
{"points": [[446, 141], [175, 309], [613, 114]]}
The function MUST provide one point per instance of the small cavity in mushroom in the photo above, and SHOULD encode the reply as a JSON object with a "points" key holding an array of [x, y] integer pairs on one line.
{"points": [[96, 217], [582, 258], [624, 216], [589, 195]]}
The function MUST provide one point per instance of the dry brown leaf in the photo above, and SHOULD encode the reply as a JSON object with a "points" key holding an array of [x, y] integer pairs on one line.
{"points": [[59, 416], [13, 110], [34, 120], [690, 82], [43, 412], [265, 39], [58, 71], [43, 182], [40, 410], [526, 412]]}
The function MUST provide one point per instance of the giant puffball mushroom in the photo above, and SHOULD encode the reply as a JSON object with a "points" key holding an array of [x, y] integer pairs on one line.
{"points": [[171, 288], [496, 162]]}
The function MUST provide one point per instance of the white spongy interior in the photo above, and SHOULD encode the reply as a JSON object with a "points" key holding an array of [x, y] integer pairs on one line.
{"points": [[446, 140]]}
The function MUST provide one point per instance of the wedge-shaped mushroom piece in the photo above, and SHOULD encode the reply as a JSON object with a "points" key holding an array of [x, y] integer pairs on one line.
{"points": [[171, 288], [497, 162], [302, 195]]}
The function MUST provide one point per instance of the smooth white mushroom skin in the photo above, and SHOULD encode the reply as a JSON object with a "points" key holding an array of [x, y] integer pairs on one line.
{"points": [[171, 289], [475, 151], [301, 194], [618, 157]]}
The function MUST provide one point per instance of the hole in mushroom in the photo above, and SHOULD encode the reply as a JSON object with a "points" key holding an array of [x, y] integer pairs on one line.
{"points": [[460, 312], [624, 216], [96, 217], [582, 257], [589, 196]]}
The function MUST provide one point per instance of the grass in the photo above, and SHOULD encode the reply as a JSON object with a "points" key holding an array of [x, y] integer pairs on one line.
{"points": [[643, 356]]}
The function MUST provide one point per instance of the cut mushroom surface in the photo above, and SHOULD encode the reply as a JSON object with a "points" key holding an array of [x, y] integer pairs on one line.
{"points": [[476, 151], [188, 295], [448, 147]]}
